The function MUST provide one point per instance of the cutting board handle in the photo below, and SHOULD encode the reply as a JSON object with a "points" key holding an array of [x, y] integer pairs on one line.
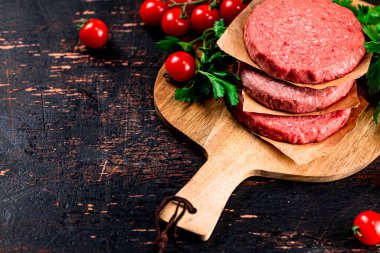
{"points": [[208, 191]]}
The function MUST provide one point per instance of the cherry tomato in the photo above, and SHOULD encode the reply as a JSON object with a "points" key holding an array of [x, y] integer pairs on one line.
{"points": [[229, 9], [173, 24], [367, 227], [189, 7], [152, 11], [180, 66], [203, 17], [94, 33]]}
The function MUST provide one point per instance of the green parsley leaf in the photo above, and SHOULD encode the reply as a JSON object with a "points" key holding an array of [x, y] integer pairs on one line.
{"points": [[347, 4], [367, 15], [168, 44], [205, 55], [376, 114], [187, 93], [194, 91], [219, 28], [172, 44], [362, 14], [228, 76], [373, 76], [215, 56], [217, 88], [186, 46], [372, 46], [222, 88], [371, 32], [217, 85], [232, 96], [343, 3]]}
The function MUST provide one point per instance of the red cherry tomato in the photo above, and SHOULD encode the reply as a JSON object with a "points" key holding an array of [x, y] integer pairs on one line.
{"points": [[152, 11], [189, 7], [229, 9], [367, 227], [203, 17], [180, 66], [94, 33], [173, 24]]}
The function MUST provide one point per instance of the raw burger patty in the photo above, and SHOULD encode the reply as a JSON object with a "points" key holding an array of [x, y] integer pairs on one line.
{"points": [[304, 41], [279, 95], [294, 129]]}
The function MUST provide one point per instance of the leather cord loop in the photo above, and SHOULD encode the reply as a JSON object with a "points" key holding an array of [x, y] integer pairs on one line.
{"points": [[162, 237]]}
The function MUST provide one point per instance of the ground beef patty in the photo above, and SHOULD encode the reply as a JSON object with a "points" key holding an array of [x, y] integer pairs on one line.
{"points": [[294, 129], [279, 95], [304, 41]]}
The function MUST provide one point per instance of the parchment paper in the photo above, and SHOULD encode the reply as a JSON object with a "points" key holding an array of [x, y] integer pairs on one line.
{"points": [[305, 153], [349, 101]]}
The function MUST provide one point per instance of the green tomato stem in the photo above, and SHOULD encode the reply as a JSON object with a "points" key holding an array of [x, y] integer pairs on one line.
{"points": [[213, 4], [174, 4], [204, 35], [356, 231], [195, 41]]}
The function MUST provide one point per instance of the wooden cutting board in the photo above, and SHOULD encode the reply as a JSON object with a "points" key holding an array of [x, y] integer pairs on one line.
{"points": [[234, 154]]}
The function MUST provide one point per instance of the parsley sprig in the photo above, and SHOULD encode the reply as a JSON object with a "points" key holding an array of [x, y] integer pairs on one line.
{"points": [[214, 76], [370, 20]]}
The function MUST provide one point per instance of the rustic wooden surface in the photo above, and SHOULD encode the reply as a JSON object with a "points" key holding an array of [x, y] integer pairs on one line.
{"points": [[85, 159]]}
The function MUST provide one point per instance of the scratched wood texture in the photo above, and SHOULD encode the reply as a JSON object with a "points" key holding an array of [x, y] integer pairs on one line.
{"points": [[84, 159]]}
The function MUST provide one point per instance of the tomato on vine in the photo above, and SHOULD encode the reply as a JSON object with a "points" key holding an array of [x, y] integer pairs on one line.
{"points": [[229, 9], [367, 227], [94, 33], [175, 22], [180, 66], [152, 11], [204, 17]]}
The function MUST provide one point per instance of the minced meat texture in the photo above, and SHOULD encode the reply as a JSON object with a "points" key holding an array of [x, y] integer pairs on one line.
{"points": [[279, 95], [304, 41], [292, 129]]}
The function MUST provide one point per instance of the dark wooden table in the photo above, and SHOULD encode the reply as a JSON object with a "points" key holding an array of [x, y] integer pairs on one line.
{"points": [[84, 159]]}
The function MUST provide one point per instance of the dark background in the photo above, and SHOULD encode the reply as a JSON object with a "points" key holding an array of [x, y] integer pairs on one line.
{"points": [[84, 159]]}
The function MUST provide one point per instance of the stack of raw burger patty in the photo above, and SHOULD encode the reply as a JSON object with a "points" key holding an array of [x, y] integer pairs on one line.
{"points": [[299, 41]]}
